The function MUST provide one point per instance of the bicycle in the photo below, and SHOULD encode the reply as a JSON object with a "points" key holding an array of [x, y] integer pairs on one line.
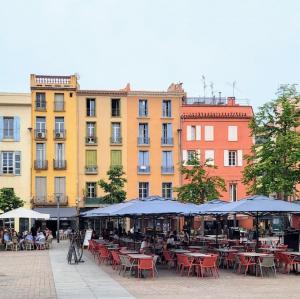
{"points": [[75, 251]]}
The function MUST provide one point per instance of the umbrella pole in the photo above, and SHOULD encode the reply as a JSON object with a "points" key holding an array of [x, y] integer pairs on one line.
{"points": [[257, 232], [154, 232], [133, 233], [217, 230]]}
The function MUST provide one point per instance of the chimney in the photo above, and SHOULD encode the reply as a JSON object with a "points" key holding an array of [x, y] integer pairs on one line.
{"points": [[231, 101]]}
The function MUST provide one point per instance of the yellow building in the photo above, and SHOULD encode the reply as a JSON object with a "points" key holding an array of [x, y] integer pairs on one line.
{"points": [[54, 140], [15, 144], [102, 139]]}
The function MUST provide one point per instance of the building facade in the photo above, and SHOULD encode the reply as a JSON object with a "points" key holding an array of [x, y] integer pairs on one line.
{"points": [[218, 130], [15, 145], [54, 140]]}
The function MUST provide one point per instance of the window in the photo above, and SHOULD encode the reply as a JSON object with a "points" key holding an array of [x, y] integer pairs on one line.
{"points": [[167, 134], [115, 107], [59, 125], [10, 163], [232, 133], [40, 131], [143, 162], [91, 160], [40, 101], [167, 162], [10, 128], [166, 108], [91, 190], [232, 158], [143, 134], [143, 189], [116, 133], [59, 102], [143, 108], [191, 154], [193, 133], [60, 187], [90, 129], [91, 107], [40, 189], [167, 190], [116, 158], [209, 133], [210, 157], [233, 192], [59, 162], [40, 155]]}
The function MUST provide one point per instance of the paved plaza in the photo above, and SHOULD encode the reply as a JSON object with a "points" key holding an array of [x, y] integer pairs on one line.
{"points": [[46, 274]]}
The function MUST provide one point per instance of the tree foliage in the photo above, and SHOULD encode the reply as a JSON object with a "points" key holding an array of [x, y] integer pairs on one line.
{"points": [[114, 187], [200, 185], [273, 165], [9, 200]]}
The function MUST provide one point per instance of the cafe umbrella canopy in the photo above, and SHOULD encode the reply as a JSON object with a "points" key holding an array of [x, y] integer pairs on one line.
{"points": [[257, 206]]}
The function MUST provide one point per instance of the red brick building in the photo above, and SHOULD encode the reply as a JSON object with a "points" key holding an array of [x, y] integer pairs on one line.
{"points": [[218, 129]]}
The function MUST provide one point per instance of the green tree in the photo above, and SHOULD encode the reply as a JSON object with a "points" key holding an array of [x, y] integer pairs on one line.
{"points": [[200, 185], [9, 200], [114, 187], [273, 165]]}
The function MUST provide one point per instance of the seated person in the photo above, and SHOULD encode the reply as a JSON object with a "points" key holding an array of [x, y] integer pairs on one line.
{"points": [[170, 242], [145, 245]]}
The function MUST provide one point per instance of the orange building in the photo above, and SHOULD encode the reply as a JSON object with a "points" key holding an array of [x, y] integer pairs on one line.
{"points": [[218, 129]]}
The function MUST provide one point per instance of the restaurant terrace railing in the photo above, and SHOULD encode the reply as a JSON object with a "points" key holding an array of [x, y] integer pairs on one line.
{"points": [[50, 200]]}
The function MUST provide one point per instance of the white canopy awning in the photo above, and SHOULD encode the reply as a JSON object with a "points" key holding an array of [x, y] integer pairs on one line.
{"points": [[24, 213]]}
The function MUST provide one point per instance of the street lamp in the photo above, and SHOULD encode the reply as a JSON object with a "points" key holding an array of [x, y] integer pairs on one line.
{"points": [[57, 195], [77, 212]]}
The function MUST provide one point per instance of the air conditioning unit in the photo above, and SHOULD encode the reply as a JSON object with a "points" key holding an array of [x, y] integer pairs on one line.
{"points": [[143, 167], [91, 140], [41, 134], [59, 135]]}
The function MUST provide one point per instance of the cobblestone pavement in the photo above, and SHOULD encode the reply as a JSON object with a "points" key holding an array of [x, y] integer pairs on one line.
{"points": [[228, 286], [26, 275]]}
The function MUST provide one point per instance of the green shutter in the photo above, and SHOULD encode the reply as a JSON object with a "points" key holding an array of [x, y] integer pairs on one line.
{"points": [[116, 158], [91, 158]]}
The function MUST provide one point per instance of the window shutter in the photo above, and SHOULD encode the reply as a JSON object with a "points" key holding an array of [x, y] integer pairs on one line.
{"points": [[232, 133], [17, 163], [91, 158], [1, 128], [226, 158], [198, 132], [16, 128], [146, 159], [189, 133], [198, 153], [184, 157], [169, 131], [0, 162], [210, 154], [209, 133], [240, 157]]}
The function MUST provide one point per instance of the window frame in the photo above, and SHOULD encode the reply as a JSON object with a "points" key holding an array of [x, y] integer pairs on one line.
{"points": [[9, 120], [143, 187], [88, 107], [89, 186], [232, 161], [167, 189]]}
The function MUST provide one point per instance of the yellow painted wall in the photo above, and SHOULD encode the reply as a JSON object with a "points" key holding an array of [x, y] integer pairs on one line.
{"points": [[18, 104], [70, 119], [103, 121], [155, 121]]}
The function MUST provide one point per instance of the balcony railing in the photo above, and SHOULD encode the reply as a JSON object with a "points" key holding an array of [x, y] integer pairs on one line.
{"points": [[59, 164], [143, 169], [41, 164], [167, 169], [40, 106], [116, 140], [143, 140], [43, 200], [52, 79], [40, 134], [59, 106], [167, 141], [59, 135], [115, 112], [91, 140], [92, 169]]}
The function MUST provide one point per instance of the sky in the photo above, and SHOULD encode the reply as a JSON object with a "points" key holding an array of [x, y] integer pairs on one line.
{"points": [[152, 43]]}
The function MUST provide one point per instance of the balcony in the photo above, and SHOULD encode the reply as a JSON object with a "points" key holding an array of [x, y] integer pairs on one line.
{"points": [[40, 134], [40, 164], [42, 200], [115, 140], [143, 140], [91, 169], [59, 164], [143, 169], [59, 106], [115, 112], [91, 140], [40, 106], [59, 135], [167, 141], [167, 169]]}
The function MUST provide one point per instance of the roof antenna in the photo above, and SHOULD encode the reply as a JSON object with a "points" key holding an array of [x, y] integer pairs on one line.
{"points": [[204, 84], [233, 87], [211, 85]]}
